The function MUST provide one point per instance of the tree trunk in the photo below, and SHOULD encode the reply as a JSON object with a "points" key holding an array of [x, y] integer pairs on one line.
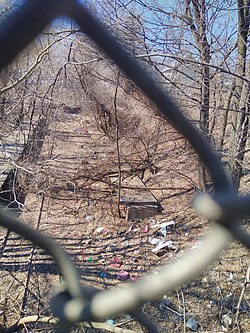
{"points": [[227, 105], [239, 158], [238, 119], [196, 18]]}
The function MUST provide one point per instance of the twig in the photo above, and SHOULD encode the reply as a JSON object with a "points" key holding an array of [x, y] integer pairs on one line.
{"points": [[26, 288], [184, 312], [246, 282], [118, 146], [167, 55], [33, 66]]}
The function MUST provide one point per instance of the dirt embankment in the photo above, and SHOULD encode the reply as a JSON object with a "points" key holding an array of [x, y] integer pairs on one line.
{"points": [[72, 199]]}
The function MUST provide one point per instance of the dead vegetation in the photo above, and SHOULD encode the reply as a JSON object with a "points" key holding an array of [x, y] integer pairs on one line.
{"points": [[94, 147], [73, 198]]}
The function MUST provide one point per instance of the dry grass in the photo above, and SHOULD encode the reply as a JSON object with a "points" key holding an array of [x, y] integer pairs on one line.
{"points": [[71, 189]]}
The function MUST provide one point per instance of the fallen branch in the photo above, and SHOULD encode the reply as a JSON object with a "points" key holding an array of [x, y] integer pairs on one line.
{"points": [[246, 283], [50, 320]]}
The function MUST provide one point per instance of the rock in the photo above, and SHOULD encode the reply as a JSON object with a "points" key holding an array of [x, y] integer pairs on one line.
{"points": [[192, 324], [226, 321], [89, 218]]}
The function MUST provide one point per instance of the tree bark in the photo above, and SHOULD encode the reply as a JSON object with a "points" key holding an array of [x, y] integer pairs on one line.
{"points": [[196, 19], [239, 119]]}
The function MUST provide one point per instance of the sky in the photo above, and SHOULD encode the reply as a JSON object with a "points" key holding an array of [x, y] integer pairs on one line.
{"points": [[156, 16]]}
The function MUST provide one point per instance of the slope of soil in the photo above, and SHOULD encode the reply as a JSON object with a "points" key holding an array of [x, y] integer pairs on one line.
{"points": [[71, 200]]}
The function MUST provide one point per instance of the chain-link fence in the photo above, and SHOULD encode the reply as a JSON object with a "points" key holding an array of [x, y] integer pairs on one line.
{"points": [[77, 303]]}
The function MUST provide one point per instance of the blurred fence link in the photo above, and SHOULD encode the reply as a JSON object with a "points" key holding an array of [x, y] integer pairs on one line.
{"points": [[78, 303]]}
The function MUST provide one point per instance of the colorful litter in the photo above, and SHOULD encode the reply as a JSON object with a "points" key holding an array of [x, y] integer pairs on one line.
{"points": [[110, 322], [164, 244], [102, 275], [116, 262], [145, 228], [122, 275], [161, 244]]}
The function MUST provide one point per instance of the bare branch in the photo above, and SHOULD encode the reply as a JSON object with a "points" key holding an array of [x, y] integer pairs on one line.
{"points": [[168, 55], [33, 66]]}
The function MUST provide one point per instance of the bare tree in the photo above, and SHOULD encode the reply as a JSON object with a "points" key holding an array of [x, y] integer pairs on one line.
{"points": [[240, 99]]}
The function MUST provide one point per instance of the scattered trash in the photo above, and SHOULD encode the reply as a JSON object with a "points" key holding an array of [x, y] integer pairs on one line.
{"points": [[89, 218], [110, 322], [163, 230], [83, 254], [226, 321], [90, 259], [154, 241], [164, 244], [126, 243], [145, 228], [102, 230], [192, 324], [161, 244], [122, 275], [102, 275], [116, 262], [163, 225]]}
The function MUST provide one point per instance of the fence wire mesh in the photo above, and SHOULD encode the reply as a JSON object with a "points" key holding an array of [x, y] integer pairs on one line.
{"points": [[77, 303]]}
